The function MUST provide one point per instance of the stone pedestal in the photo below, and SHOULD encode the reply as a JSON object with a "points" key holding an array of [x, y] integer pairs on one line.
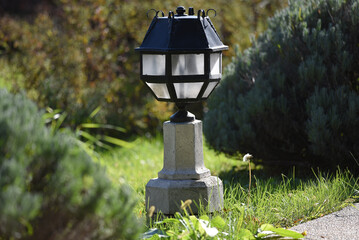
{"points": [[184, 175]]}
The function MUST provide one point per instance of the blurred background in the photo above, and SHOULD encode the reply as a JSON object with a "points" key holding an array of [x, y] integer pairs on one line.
{"points": [[78, 56]]}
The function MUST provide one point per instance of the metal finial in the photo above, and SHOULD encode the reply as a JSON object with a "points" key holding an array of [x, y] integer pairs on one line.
{"points": [[180, 11]]}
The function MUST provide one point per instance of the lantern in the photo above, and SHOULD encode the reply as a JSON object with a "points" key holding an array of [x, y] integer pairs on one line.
{"points": [[181, 59]]}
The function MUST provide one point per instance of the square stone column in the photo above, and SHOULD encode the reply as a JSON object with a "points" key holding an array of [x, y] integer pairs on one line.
{"points": [[184, 175], [183, 151]]}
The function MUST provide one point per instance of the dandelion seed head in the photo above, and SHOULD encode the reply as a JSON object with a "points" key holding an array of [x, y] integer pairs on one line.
{"points": [[186, 204], [151, 210], [247, 157]]}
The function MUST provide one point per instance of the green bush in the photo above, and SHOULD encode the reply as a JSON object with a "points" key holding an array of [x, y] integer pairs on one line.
{"points": [[50, 188], [76, 55], [293, 96]]}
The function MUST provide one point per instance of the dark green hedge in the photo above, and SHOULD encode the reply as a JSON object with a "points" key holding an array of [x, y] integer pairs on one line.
{"points": [[50, 188], [293, 96]]}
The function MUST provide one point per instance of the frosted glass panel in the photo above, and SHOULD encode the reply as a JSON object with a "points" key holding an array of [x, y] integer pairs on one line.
{"points": [[160, 90], [187, 64], [215, 64], [154, 65], [209, 89], [188, 90]]}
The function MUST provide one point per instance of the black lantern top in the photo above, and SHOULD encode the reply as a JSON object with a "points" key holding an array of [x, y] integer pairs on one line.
{"points": [[181, 33], [181, 58]]}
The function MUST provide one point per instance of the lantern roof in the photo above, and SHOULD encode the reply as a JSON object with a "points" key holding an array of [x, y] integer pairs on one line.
{"points": [[182, 33]]}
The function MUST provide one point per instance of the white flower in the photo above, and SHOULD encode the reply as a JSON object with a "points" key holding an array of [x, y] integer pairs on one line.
{"points": [[247, 157], [211, 231]]}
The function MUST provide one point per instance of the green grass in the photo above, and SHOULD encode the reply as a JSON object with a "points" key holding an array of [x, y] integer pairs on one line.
{"points": [[144, 160], [288, 201], [280, 200], [137, 165]]}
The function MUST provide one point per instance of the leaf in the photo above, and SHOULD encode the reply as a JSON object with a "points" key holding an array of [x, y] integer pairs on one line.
{"points": [[241, 218], [117, 141], [281, 231], [245, 234], [49, 115], [193, 219], [185, 222], [288, 233], [94, 112], [93, 140], [197, 226], [27, 224], [218, 222], [266, 227], [204, 217], [104, 126], [152, 232], [59, 122], [170, 233], [168, 220], [264, 234], [185, 235]]}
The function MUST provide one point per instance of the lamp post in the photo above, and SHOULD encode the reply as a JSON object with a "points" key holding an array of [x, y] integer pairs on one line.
{"points": [[181, 62]]}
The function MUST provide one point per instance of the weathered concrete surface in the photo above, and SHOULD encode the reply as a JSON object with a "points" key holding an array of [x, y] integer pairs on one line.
{"points": [[184, 175], [341, 225], [166, 195], [183, 151]]}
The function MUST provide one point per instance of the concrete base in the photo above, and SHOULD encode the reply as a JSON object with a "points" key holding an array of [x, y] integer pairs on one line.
{"points": [[184, 175], [166, 195]]}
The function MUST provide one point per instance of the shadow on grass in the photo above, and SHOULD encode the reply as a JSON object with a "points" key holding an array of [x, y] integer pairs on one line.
{"points": [[271, 174], [287, 197]]}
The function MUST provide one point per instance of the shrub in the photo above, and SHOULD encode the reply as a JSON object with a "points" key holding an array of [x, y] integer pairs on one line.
{"points": [[50, 188], [293, 96], [76, 55]]}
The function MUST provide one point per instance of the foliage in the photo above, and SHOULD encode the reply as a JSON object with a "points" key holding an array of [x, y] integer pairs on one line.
{"points": [[55, 118], [281, 200], [141, 162], [292, 98], [190, 227], [283, 203], [288, 201], [50, 188], [79, 55]]}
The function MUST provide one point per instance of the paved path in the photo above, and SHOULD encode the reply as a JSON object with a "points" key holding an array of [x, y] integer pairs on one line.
{"points": [[341, 225]]}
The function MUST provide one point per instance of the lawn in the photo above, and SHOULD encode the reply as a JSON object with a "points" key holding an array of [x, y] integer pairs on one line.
{"points": [[281, 200]]}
